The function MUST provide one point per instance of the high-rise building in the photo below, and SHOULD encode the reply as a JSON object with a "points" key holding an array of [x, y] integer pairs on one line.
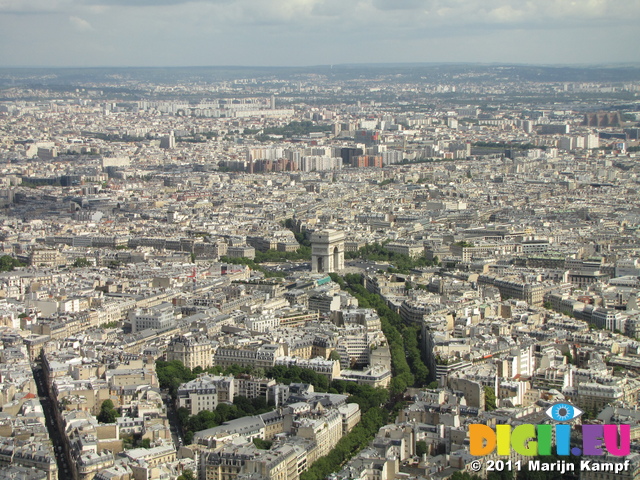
{"points": [[367, 161], [591, 141], [168, 141]]}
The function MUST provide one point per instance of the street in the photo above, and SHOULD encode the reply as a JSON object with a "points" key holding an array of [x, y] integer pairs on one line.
{"points": [[55, 430]]}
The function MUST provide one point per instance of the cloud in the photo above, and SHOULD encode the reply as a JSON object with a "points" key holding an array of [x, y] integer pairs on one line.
{"points": [[35, 6], [507, 12], [403, 13], [400, 4], [80, 24], [252, 32], [149, 3], [53, 6]]}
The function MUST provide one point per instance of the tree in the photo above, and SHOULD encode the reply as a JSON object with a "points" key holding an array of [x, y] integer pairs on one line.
{"points": [[8, 263], [127, 440], [107, 414], [242, 407], [503, 475], [262, 444], [172, 374], [348, 446], [412, 350], [569, 356], [81, 262], [334, 355], [464, 476], [187, 475], [463, 244], [421, 448], [489, 399]]}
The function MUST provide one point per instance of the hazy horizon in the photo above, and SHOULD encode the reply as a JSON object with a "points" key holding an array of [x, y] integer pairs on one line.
{"points": [[340, 65]]}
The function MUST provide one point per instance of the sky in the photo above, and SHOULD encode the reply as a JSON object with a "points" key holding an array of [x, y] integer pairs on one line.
{"points": [[89, 33]]}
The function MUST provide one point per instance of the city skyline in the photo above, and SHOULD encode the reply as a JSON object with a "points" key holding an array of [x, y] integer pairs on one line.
{"points": [[260, 273]]}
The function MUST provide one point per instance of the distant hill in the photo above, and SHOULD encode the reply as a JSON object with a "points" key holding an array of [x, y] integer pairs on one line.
{"points": [[451, 73]]}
